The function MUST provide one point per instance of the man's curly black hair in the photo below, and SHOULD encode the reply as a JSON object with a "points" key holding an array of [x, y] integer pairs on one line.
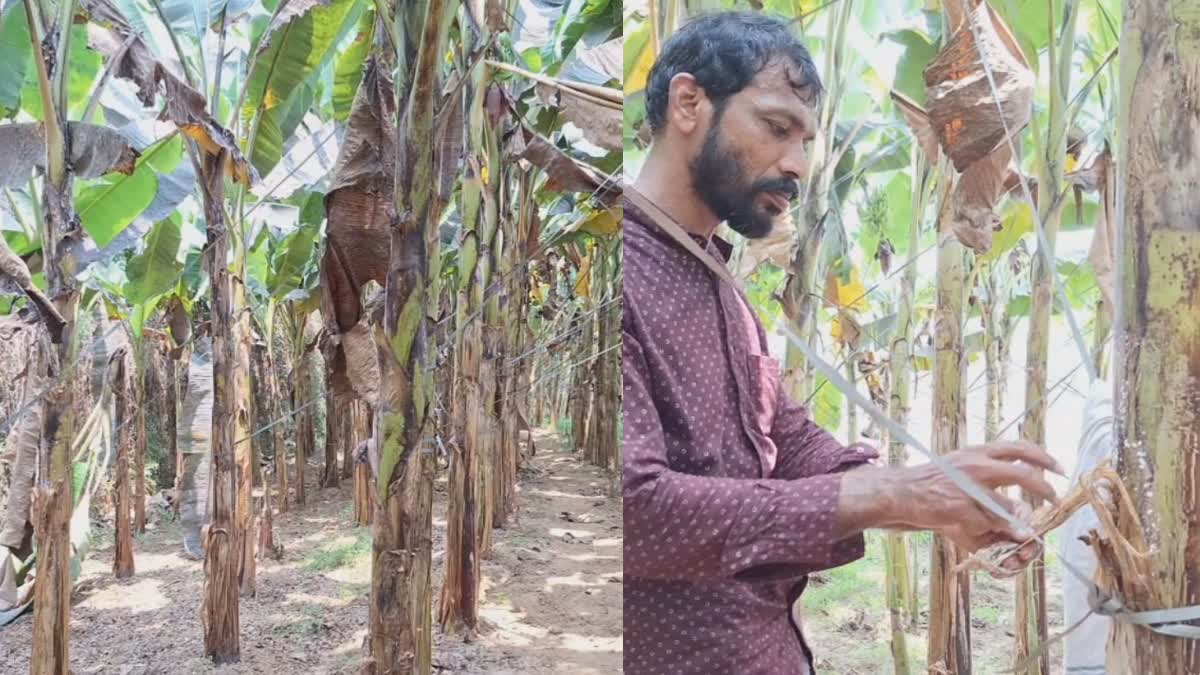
{"points": [[724, 51]]}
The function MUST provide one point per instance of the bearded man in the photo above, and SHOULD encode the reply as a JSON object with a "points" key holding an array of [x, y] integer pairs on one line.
{"points": [[732, 495]]}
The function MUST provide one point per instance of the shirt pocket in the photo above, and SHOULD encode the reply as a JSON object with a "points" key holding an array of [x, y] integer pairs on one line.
{"points": [[765, 384]]}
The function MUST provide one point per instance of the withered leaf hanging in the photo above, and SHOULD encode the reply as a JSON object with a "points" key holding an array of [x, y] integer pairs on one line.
{"points": [[95, 151], [129, 58], [961, 104], [360, 202]]}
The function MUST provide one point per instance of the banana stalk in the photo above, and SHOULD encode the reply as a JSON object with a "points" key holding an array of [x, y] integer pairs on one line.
{"points": [[1031, 621]]}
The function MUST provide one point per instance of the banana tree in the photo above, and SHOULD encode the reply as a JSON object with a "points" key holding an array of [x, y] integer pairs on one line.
{"points": [[400, 609], [282, 274], [901, 591], [479, 211], [1156, 384], [63, 151], [213, 153], [1051, 155]]}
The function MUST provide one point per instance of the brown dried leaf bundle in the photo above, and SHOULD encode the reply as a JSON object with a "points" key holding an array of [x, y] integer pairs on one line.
{"points": [[961, 104]]}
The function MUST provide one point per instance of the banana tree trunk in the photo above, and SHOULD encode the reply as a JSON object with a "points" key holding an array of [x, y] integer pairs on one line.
{"points": [[1104, 326], [335, 419], [124, 436], [602, 416], [588, 366], [1158, 380], [52, 499], [334, 432], [140, 438], [222, 543], [459, 589], [793, 372], [493, 331], [269, 442], [581, 385], [301, 395], [608, 364], [511, 308], [537, 398], [241, 338], [800, 296], [516, 396], [949, 593], [266, 530], [181, 395], [258, 409], [489, 443], [351, 439], [400, 609], [992, 340], [1031, 623], [506, 399], [363, 501], [898, 577], [170, 460], [305, 432], [278, 433], [614, 380]]}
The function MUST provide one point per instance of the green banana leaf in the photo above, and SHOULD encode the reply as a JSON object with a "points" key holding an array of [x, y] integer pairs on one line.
{"points": [[294, 48]]}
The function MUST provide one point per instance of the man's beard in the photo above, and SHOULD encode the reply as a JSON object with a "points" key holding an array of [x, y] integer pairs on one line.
{"points": [[719, 179]]}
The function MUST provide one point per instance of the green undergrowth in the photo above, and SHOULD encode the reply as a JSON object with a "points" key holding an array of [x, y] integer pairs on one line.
{"points": [[565, 428], [845, 589], [333, 556]]}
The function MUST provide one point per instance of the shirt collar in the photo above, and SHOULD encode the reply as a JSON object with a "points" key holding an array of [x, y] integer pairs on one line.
{"points": [[724, 249]]}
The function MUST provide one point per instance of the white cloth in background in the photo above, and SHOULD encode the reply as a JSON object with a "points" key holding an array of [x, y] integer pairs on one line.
{"points": [[1084, 648]]}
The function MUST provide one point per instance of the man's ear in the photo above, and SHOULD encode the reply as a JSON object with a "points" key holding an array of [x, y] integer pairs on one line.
{"points": [[687, 104]]}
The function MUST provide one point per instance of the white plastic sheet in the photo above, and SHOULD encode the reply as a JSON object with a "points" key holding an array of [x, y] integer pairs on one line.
{"points": [[1084, 647]]}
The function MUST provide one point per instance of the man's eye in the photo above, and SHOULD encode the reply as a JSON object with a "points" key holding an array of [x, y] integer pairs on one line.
{"points": [[777, 129]]}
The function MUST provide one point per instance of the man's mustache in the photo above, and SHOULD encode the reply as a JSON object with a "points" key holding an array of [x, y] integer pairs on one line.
{"points": [[784, 187]]}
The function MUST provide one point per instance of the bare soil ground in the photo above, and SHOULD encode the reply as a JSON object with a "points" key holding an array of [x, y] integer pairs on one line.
{"points": [[550, 600]]}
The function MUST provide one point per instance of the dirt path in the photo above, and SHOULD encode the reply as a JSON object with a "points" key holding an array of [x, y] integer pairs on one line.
{"points": [[551, 597]]}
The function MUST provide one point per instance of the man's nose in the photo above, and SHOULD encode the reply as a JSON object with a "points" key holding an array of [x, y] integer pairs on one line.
{"points": [[794, 164]]}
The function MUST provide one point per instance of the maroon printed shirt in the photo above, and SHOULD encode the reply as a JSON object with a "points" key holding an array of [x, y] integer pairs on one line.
{"points": [[730, 491]]}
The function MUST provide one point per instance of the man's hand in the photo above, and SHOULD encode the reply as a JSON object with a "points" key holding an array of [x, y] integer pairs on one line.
{"points": [[924, 498], [929, 500]]}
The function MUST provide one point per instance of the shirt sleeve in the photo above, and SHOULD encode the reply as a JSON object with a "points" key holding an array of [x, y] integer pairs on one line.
{"points": [[805, 449], [686, 527]]}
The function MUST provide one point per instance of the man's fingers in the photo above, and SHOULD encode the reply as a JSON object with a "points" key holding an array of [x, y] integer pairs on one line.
{"points": [[1013, 563], [1004, 529], [1022, 510], [1029, 551], [1008, 473], [1021, 557], [997, 522], [982, 529], [1023, 451], [970, 544]]}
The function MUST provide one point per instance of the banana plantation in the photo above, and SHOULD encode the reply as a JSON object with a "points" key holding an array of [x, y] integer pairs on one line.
{"points": [[999, 220], [307, 335]]}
